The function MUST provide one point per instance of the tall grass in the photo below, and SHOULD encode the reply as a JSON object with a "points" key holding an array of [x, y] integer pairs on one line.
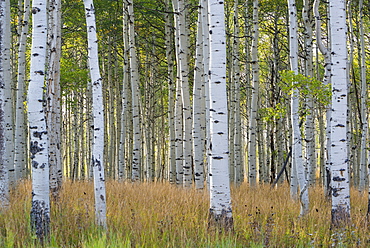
{"points": [[163, 215]]}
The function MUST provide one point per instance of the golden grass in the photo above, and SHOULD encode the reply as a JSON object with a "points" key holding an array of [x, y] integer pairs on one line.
{"points": [[163, 215]]}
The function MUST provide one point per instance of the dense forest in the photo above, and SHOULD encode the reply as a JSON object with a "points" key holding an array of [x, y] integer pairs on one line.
{"points": [[205, 95]]}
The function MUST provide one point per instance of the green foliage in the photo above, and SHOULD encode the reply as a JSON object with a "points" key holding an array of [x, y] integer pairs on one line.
{"points": [[307, 86], [271, 114]]}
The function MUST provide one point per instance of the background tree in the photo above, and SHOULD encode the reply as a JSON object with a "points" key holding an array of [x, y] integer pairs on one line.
{"points": [[98, 116]]}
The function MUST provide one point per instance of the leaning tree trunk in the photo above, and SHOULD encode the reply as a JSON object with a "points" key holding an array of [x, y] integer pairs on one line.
{"points": [[20, 131], [296, 133], [40, 212], [339, 119], [220, 201], [97, 158]]}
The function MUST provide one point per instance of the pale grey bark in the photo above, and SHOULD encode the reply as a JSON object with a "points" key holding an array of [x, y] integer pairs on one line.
{"points": [[40, 211], [339, 118], [326, 80], [97, 158], [310, 118], [54, 97], [180, 8], [20, 131], [134, 79], [252, 146], [297, 160], [220, 200], [5, 82], [198, 106], [171, 92], [364, 101]]}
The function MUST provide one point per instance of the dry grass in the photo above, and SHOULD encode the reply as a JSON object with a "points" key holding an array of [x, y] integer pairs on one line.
{"points": [[162, 215]]}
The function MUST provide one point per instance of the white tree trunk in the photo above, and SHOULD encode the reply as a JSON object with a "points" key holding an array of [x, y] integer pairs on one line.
{"points": [[40, 212], [53, 91], [98, 116], [364, 100], [171, 92], [296, 133], [326, 81], [206, 58], [134, 74], [236, 140], [180, 7], [198, 106], [20, 160], [252, 146], [339, 155], [8, 98], [310, 121], [5, 83], [220, 200]]}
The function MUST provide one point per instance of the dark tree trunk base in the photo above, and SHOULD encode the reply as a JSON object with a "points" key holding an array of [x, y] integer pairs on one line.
{"points": [[40, 221], [340, 217], [220, 222]]}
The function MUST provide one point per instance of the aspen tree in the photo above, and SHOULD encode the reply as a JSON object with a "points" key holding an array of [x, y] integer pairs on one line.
{"points": [[339, 117], [5, 81], [180, 7], [53, 91], [134, 79], [364, 100], [198, 106], [235, 128], [179, 123], [296, 133], [252, 145], [220, 200], [97, 159], [171, 92], [310, 121], [20, 131], [40, 212], [8, 95], [326, 80]]}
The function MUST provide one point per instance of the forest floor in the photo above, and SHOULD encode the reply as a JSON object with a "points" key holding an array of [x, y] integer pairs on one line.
{"points": [[163, 215]]}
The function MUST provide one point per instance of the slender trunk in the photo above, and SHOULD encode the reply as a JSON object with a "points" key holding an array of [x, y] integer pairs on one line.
{"points": [[296, 133], [171, 93], [20, 131], [134, 76], [252, 154], [53, 89], [98, 117], [310, 121], [198, 110], [5, 82], [364, 96], [326, 81]]}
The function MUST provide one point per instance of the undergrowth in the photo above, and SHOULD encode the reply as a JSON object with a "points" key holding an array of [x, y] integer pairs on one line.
{"points": [[163, 215]]}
